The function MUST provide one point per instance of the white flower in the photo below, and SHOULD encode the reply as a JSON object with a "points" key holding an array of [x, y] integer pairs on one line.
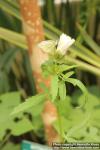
{"points": [[48, 46], [64, 43]]}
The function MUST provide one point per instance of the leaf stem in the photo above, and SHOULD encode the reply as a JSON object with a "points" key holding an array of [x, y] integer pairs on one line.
{"points": [[5, 140]]}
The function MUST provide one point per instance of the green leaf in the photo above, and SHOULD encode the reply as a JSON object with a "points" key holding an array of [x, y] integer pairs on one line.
{"points": [[13, 37], [10, 99], [32, 101], [94, 89], [67, 75], [21, 127], [8, 102], [13, 3], [63, 68], [89, 41], [79, 126], [17, 128], [54, 87], [92, 101], [36, 110], [44, 87], [62, 90], [37, 124], [78, 83], [65, 107], [4, 82], [66, 124], [11, 146], [7, 58], [4, 17], [10, 9]]}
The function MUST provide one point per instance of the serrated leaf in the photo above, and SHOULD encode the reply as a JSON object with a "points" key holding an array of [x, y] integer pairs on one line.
{"points": [[54, 87]]}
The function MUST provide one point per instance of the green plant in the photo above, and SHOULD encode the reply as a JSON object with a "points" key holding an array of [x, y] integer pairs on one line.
{"points": [[85, 54], [80, 124], [21, 123], [60, 74], [74, 119]]}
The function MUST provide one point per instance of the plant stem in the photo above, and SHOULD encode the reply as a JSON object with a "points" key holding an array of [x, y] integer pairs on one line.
{"points": [[5, 140], [60, 124]]}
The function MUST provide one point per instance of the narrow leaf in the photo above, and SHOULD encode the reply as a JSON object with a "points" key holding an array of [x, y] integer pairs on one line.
{"points": [[78, 83], [62, 90], [67, 75], [13, 37], [32, 101], [63, 68], [54, 87], [89, 40]]}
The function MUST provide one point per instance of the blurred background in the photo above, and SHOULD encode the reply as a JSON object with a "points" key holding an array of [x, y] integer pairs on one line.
{"points": [[78, 18]]}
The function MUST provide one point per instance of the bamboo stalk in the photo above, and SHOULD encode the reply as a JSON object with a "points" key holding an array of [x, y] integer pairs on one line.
{"points": [[33, 30]]}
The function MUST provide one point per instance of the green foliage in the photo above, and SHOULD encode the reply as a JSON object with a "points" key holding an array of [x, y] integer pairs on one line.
{"points": [[60, 74], [19, 124], [76, 123], [13, 37], [89, 41], [78, 83], [8, 102], [6, 62], [62, 90], [33, 101], [80, 124], [10, 146], [54, 87]]}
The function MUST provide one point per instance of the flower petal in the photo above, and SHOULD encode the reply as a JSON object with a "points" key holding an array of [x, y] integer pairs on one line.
{"points": [[64, 43], [47, 46]]}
